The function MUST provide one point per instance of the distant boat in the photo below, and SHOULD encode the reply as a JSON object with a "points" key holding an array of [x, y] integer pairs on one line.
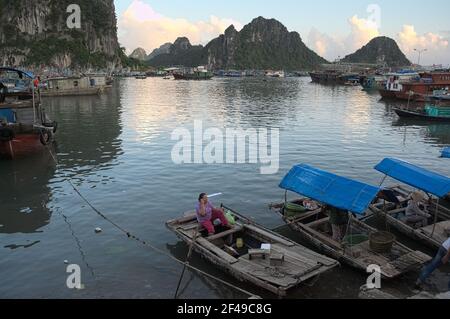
{"points": [[199, 73], [141, 77], [74, 86], [373, 82], [334, 77], [275, 74]]}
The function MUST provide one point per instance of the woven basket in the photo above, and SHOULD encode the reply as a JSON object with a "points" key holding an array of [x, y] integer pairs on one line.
{"points": [[381, 242]]}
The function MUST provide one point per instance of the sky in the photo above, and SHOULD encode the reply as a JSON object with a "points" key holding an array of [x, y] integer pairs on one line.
{"points": [[331, 28]]}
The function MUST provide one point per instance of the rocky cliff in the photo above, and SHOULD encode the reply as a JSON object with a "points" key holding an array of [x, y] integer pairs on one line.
{"points": [[139, 54], [381, 51], [182, 52], [262, 44], [35, 32], [164, 49]]}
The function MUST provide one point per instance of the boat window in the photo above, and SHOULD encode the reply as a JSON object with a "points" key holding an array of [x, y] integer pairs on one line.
{"points": [[75, 83]]}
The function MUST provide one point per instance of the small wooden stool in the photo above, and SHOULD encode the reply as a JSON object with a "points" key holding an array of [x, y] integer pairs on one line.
{"points": [[276, 259]]}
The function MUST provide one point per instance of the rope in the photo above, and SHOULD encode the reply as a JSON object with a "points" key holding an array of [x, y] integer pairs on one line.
{"points": [[146, 243]]}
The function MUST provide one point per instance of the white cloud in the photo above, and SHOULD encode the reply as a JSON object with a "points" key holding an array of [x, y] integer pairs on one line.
{"points": [[332, 47], [437, 46], [141, 26]]}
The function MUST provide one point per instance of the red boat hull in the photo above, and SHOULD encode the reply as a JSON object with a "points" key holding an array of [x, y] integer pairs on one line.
{"points": [[21, 145], [386, 94]]}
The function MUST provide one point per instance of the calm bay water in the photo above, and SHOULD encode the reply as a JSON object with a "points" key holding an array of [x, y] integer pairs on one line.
{"points": [[117, 150]]}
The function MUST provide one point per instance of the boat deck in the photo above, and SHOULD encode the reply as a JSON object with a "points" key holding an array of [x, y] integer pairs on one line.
{"points": [[300, 263]]}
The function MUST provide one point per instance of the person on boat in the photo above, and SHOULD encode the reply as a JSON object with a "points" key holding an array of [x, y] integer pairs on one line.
{"points": [[207, 214], [442, 257], [414, 213], [339, 221]]}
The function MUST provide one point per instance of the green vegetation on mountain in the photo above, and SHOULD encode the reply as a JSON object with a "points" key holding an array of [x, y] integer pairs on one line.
{"points": [[381, 51]]}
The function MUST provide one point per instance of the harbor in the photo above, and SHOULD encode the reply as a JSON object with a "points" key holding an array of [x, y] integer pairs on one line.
{"points": [[234, 158], [118, 169]]}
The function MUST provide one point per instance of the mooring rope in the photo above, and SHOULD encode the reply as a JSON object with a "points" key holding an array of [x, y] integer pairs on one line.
{"points": [[146, 243]]}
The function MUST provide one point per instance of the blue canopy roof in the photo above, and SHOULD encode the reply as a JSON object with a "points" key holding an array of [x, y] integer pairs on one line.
{"points": [[27, 74], [415, 176], [446, 152], [330, 189]]}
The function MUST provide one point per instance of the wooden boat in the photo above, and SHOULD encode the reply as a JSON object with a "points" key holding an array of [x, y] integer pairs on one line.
{"points": [[196, 75], [299, 265], [435, 233], [356, 250], [314, 227], [420, 116], [24, 126], [74, 86]]}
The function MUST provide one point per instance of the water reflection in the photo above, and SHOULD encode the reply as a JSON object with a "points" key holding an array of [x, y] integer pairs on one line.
{"points": [[431, 133], [25, 194], [88, 139]]}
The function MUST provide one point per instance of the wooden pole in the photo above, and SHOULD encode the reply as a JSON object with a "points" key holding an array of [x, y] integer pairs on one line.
{"points": [[191, 246]]}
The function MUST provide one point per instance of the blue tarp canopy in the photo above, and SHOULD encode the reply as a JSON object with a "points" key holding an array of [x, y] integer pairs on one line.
{"points": [[415, 176], [330, 189], [27, 74], [446, 152]]}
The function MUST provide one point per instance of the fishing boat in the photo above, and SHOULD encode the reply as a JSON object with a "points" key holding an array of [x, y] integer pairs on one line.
{"points": [[418, 89], [363, 245], [334, 77], [395, 81], [373, 82], [252, 253], [24, 126], [446, 152], [199, 73], [437, 109], [393, 207]]}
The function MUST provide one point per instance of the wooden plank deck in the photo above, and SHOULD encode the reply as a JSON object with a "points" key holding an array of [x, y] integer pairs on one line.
{"points": [[439, 233], [271, 236], [216, 250]]}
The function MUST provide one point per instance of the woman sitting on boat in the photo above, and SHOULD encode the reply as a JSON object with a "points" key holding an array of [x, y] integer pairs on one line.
{"points": [[339, 220], [414, 214], [207, 214]]}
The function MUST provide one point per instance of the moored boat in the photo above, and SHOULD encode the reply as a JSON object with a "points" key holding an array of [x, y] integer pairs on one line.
{"points": [[74, 86], [265, 258], [362, 245], [24, 126], [393, 206], [429, 113], [419, 89], [199, 73], [395, 81]]}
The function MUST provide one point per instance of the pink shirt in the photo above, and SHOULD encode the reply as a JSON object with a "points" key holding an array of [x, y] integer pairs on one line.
{"points": [[208, 209]]}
